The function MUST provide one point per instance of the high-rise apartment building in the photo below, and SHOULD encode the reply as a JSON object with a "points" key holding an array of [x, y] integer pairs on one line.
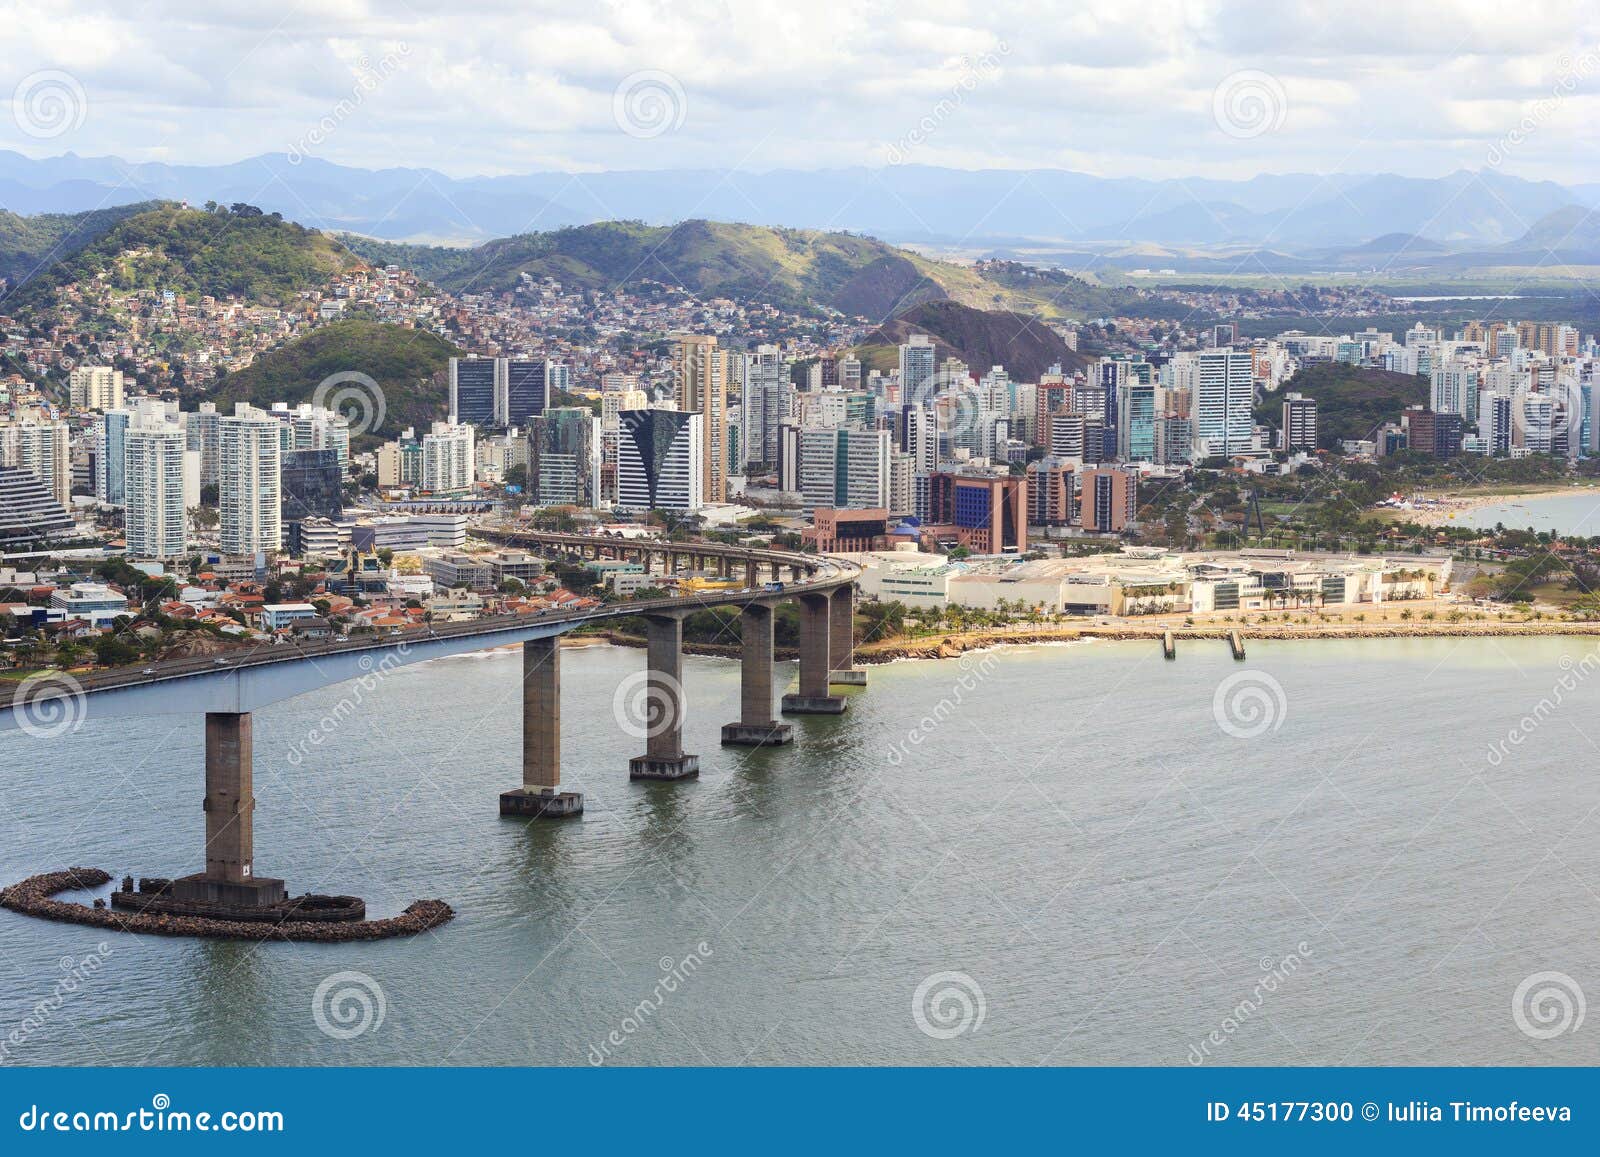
{"points": [[204, 435], [111, 456], [1051, 490], [155, 455], [916, 369], [448, 460], [838, 468], [768, 402], [701, 386], [42, 447], [95, 388], [1108, 499], [1224, 392], [1299, 423], [249, 483]]}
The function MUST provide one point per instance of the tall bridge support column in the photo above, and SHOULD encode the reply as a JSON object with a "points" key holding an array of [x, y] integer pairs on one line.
{"points": [[842, 639], [756, 726], [664, 757], [812, 698], [229, 878], [540, 795]]}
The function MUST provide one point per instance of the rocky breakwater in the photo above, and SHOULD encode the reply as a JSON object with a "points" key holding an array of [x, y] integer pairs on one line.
{"points": [[35, 896]]}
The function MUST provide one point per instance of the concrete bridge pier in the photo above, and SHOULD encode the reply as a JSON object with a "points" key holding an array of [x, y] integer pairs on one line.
{"points": [[664, 757], [842, 640], [540, 796], [229, 878], [756, 727], [812, 697]]}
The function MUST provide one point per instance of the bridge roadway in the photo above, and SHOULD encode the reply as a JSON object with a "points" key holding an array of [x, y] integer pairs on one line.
{"points": [[227, 689]]}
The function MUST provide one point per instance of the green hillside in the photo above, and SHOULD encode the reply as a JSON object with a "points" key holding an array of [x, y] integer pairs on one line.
{"points": [[857, 275], [242, 252], [1351, 400], [30, 244], [409, 365]]}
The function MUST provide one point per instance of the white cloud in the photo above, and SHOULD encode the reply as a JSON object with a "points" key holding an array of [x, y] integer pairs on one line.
{"points": [[1114, 87]]}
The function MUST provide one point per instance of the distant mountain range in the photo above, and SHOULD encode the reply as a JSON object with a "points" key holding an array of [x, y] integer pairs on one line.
{"points": [[984, 210]]}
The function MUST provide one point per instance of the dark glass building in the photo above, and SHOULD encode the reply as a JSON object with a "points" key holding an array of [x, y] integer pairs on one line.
{"points": [[527, 391], [311, 486], [474, 389]]}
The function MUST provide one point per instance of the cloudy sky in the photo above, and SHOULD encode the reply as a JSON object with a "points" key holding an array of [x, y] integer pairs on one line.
{"points": [[1222, 88]]}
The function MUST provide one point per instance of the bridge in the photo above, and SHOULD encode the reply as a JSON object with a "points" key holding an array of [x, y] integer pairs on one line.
{"points": [[228, 689]]}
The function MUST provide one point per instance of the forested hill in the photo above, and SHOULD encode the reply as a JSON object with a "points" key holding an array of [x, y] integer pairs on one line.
{"points": [[1351, 400]]}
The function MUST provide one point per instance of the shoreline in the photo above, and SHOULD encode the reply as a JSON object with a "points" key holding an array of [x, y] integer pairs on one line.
{"points": [[953, 645], [1447, 509]]}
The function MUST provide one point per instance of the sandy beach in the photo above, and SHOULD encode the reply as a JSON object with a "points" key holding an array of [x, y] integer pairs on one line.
{"points": [[1450, 509]]}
